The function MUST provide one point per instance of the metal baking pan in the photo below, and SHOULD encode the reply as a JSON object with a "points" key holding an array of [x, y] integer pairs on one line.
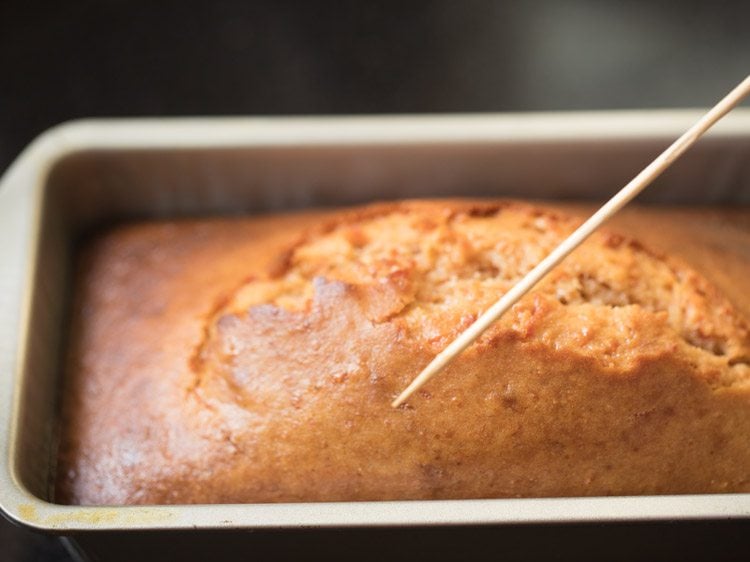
{"points": [[88, 173]]}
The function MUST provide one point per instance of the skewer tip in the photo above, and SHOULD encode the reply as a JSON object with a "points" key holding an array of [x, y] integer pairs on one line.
{"points": [[436, 365]]}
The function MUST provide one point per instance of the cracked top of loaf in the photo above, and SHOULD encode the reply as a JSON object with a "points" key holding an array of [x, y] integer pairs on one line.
{"points": [[430, 271]]}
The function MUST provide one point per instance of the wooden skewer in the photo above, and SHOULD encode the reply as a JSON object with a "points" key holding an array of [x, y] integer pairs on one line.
{"points": [[624, 196]]}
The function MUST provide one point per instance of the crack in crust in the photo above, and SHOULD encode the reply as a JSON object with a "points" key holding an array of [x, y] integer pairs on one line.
{"points": [[431, 273]]}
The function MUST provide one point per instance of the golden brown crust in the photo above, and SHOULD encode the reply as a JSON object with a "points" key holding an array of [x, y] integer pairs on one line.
{"points": [[255, 360]]}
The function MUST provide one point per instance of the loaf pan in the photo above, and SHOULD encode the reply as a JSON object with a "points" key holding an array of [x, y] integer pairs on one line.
{"points": [[86, 174]]}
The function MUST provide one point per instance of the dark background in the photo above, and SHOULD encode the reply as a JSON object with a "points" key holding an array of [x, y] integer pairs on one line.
{"points": [[64, 60]]}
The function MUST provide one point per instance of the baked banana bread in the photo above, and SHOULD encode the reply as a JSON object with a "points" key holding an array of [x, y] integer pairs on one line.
{"points": [[255, 360]]}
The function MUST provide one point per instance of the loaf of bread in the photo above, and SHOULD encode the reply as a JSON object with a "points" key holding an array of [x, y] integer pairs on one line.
{"points": [[255, 360]]}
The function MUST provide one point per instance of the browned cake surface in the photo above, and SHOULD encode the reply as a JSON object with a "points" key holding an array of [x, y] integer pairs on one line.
{"points": [[254, 360]]}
